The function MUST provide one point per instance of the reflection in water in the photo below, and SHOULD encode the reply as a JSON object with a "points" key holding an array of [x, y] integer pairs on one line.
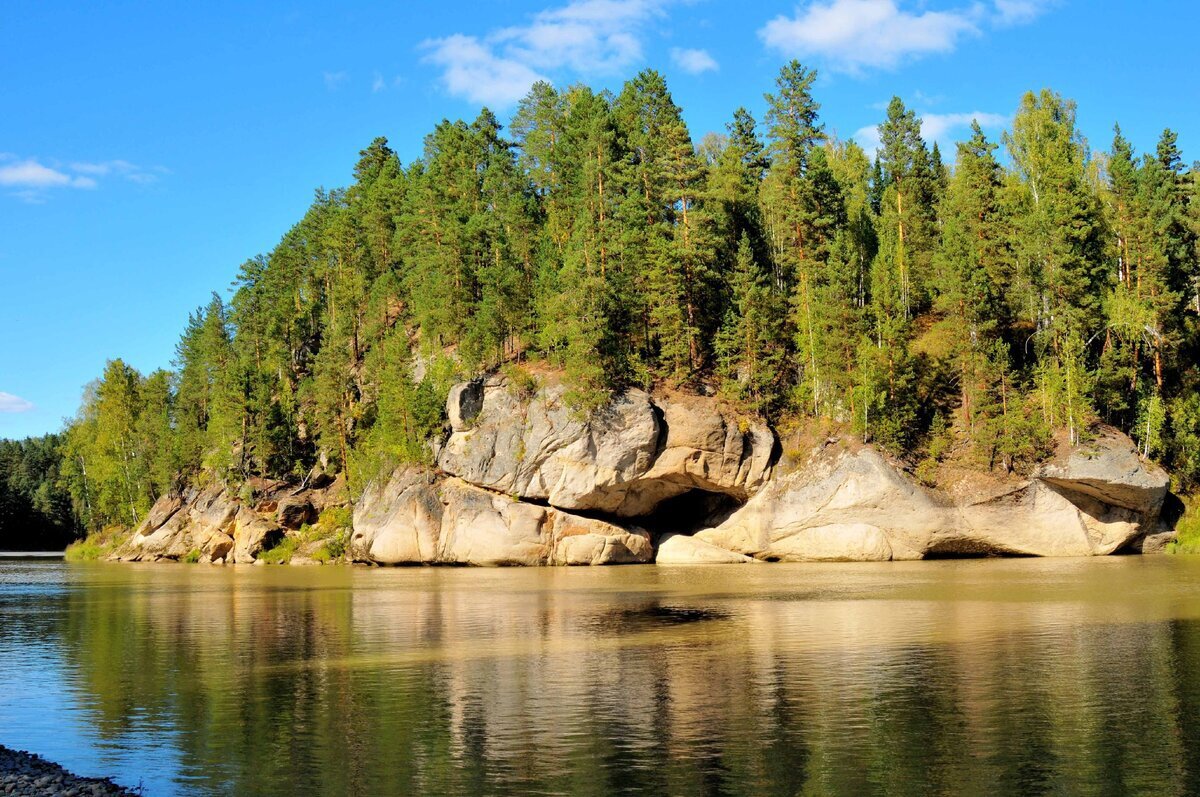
{"points": [[980, 677]]}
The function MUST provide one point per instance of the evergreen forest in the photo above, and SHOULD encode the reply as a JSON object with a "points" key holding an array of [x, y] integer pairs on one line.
{"points": [[981, 305]]}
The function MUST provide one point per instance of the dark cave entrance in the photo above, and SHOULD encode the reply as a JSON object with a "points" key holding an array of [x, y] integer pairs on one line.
{"points": [[687, 513]]}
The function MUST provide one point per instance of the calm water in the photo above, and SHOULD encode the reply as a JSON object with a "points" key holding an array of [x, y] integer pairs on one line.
{"points": [[981, 677]]}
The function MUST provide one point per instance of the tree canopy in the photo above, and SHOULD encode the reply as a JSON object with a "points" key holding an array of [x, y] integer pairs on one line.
{"points": [[980, 305]]}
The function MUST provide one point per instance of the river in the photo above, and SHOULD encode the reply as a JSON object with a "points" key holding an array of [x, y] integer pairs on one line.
{"points": [[1015, 676]]}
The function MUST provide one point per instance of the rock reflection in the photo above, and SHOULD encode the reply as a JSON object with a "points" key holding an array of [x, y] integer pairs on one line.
{"points": [[954, 678]]}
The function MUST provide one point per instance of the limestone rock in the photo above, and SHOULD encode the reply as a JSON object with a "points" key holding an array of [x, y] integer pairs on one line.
{"points": [[1109, 470], [539, 448], [253, 534], [398, 520], [464, 404], [854, 505], [218, 547], [624, 460], [842, 505], [295, 510], [705, 449], [177, 525], [418, 518], [1156, 543], [680, 549]]}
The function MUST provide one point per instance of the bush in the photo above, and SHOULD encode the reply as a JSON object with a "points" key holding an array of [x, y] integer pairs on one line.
{"points": [[521, 383], [96, 545], [1188, 530], [282, 553], [336, 518], [192, 556]]}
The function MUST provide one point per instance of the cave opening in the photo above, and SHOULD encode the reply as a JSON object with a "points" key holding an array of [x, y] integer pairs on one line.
{"points": [[688, 513]]}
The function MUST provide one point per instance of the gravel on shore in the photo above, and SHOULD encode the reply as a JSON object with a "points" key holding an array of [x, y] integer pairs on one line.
{"points": [[27, 775]]}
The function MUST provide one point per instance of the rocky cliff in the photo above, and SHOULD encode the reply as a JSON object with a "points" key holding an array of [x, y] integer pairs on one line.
{"points": [[522, 479]]}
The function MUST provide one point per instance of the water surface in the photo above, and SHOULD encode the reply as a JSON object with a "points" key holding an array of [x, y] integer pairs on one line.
{"points": [[997, 677]]}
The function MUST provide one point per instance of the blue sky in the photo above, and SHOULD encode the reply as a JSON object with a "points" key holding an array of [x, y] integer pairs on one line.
{"points": [[147, 149]]}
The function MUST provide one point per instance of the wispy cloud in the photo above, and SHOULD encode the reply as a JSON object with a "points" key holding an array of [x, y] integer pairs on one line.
{"points": [[30, 174], [11, 403], [584, 38], [944, 128], [1019, 12], [31, 179], [854, 35], [333, 80], [380, 83], [693, 62]]}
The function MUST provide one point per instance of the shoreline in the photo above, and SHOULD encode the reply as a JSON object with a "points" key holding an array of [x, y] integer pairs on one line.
{"points": [[24, 774]]}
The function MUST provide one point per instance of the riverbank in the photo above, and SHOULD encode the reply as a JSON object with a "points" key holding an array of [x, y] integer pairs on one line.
{"points": [[24, 774]]}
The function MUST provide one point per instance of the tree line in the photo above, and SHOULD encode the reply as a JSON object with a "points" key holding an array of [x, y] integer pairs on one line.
{"points": [[35, 508], [971, 308]]}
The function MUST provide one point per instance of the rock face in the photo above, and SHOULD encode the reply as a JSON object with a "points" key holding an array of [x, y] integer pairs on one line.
{"points": [[854, 505], [680, 549], [1109, 469], [220, 528], [419, 518], [522, 479], [624, 461]]}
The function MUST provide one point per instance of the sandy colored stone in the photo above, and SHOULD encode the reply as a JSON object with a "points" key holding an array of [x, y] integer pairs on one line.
{"points": [[681, 549]]}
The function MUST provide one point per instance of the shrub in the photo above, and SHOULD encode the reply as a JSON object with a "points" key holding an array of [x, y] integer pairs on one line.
{"points": [[192, 556], [282, 553], [1188, 529], [336, 518]]}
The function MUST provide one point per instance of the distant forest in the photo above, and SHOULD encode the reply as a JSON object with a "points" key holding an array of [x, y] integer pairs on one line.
{"points": [[973, 306]]}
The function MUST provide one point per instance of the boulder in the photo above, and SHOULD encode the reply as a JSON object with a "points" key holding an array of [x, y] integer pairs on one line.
{"points": [[1109, 469], [294, 511], [705, 448], [540, 448], [418, 518], [253, 534], [843, 504], [680, 549], [624, 460], [846, 504], [1155, 543], [218, 547]]}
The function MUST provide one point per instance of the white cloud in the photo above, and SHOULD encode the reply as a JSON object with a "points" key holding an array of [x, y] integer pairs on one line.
{"points": [[11, 403], [945, 128], [853, 35], [584, 37], [32, 179], [119, 168], [693, 62], [30, 174], [472, 71], [334, 79], [1019, 12], [378, 84]]}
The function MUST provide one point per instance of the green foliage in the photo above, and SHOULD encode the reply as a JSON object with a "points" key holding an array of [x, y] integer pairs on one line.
{"points": [[1187, 530], [191, 557], [336, 518], [97, 545], [1000, 304], [35, 510], [283, 552]]}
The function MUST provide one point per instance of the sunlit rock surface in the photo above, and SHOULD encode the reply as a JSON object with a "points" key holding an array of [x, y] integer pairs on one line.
{"points": [[418, 518], [846, 504]]}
